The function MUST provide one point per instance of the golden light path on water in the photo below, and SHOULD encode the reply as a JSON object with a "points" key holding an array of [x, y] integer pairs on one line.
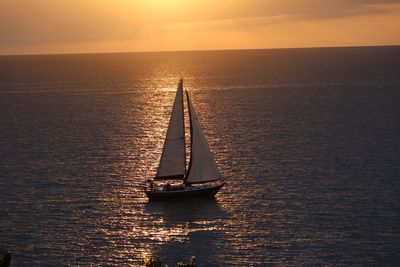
{"points": [[145, 227]]}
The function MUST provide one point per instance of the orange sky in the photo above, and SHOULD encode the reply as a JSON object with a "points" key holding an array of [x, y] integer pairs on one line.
{"points": [[74, 26]]}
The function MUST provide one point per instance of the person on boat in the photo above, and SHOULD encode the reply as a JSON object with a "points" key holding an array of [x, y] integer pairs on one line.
{"points": [[151, 186]]}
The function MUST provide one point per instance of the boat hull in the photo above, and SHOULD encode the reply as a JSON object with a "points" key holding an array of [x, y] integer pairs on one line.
{"points": [[203, 192]]}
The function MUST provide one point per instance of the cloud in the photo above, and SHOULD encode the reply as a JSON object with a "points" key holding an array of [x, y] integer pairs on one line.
{"points": [[264, 13], [340, 8]]}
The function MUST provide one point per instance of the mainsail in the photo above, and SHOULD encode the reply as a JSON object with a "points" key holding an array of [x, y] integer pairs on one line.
{"points": [[202, 167], [173, 157]]}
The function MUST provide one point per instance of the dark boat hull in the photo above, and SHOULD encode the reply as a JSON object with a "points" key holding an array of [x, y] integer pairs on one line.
{"points": [[204, 192]]}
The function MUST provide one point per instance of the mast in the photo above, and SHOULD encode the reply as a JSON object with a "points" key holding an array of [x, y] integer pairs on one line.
{"points": [[202, 167], [191, 137], [173, 158]]}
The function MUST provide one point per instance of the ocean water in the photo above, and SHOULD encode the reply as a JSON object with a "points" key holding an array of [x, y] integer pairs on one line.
{"points": [[308, 141]]}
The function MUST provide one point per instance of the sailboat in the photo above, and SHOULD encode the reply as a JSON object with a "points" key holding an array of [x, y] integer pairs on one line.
{"points": [[201, 178]]}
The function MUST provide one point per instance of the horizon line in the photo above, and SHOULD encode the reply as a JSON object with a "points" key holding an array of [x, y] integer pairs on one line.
{"points": [[190, 50]]}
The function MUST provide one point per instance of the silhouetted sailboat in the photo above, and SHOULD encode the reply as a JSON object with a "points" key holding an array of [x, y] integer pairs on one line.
{"points": [[201, 179]]}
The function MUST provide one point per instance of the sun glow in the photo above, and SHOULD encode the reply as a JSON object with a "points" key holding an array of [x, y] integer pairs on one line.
{"points": [[47, 26]]}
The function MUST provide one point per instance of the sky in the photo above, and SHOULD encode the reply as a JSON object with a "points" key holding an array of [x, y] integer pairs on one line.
{"points": [[82, 26]]}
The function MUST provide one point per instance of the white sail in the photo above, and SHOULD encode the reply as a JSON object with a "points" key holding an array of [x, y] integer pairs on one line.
{"points": [[202, 167], [173, 157]]}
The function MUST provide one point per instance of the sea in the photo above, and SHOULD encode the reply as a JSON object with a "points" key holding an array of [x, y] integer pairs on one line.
{"points": [[307, 140]]}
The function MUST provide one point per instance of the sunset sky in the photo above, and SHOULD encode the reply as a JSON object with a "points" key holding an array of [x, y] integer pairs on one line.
{"points": [[76, 26]]}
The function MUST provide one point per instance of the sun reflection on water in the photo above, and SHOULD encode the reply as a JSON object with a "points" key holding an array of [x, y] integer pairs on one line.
{"points": [[146, 227]]}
